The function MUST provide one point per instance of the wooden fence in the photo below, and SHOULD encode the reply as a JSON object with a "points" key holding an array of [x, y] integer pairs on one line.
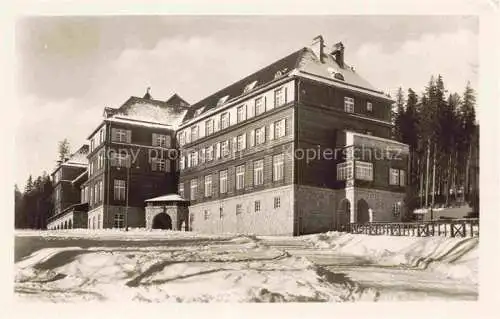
{"points": [[450, 228]]}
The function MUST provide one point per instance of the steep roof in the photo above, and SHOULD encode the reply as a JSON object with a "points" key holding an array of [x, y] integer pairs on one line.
{"points": [[167, 198], [305, 62]]}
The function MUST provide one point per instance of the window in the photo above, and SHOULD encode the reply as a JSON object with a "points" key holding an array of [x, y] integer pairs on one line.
{"points": [[239, 209], [119, 220], [102, 135], [194, 189], [208, 185], [223, 181], [120, 135], [225, 148], [251, 136], [160, 165], [224, 120], [402, 178], [209, 127], [206, 214], [194, 158], [279, 97], [100, 162], [240, 177], [279, 128], [222, 100], [260, 135], [209, 153], [217, 150], [221, 212], [396, 209], [202, 156], [119, 159], [161, 140], [258, 172], [249, 86], [57, 176], [182, 138], [393, 176], [278, 165], [277, 202], [182, 163], [348, 104], [242, 113], [259, 106], [364, 171], [98, 221], [194, 133], [181, 190], [369, 106], [119, 189], [257, 206], [101, 186], [242, 142], [344, 171], [92, 144]]}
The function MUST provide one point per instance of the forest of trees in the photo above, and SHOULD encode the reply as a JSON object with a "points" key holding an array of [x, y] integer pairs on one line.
{"points": [[441, 130], [33, 205]]}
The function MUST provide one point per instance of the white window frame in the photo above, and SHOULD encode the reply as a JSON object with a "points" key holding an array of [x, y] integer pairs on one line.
{"points": [[193, 186], [240, 177], [194, 133], [209, 127], [393, 176], [159, 164], [119, 189], [209, 153], [224, 120], [345, 171], [181, 190], [120, 135], [277, 202], [118, 220], [257, 206], [223, 181], [208, 185], [348, 104], [279, 128], [224, 149], [241, 142], [402, 177], [278, 167], [260, 135], [194, 158], [241, 113], [364, 171], [279, 97], [369, 106], [258, 172], [260, 107]]}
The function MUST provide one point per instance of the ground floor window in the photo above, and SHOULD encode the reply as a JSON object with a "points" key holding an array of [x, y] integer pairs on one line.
{"points": [[257, 206], [119, 220], [277, 202], [396, 209], [344, 171]]}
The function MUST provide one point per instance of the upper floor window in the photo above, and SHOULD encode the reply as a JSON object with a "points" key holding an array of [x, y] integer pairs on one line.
{"points": [[344, 171], [396, 209], [209, 127], [225, 148], [121, 135], [120, 159], [182, 138], [209, 153], [223, 181], [182, 163], [279, 128], [279, 97], [258, 172], [161, 140], [242, 142], [369, 106], [194, 133], [249, 86], [240, 177], [242, 113], [160, 165], [393, 176], [100, 161], [194, 159], [119, 189], [259, 106], [348, 104], [222, 100], [402, 178], [364, 171], [224, 120], [181, 190], [92, 144], [278, 167], [102, 135], [260, 135], [208, 185], [194, 189]]}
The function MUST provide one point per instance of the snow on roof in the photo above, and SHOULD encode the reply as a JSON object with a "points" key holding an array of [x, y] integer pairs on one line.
{"points": [[152, 112], [131, 121], [166, 198]]}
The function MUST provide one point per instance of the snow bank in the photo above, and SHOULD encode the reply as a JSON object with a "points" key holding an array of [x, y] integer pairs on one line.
{"points": [[455, 257]]}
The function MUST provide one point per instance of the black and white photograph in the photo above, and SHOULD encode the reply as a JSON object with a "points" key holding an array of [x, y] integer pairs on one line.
{"points": [[182, 158]]}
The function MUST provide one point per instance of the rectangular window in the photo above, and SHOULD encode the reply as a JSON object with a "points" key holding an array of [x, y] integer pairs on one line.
{"points": [[119, 220], [252, 138], [402, 178], [92, 144], [217, 150], [119, 189], [260, 135], [194, 133], [120, 135], [221, 212], [202, 156], [257, 206], [345, 171], [242, 142], [224, 120], [259, 106], [240, 177], [225, 148], [278, 167], [279, 97], [209, 153], [258, 172], [194, 159], [181, 190], [182, 163], [277, 202], [182, 138], [194, 189], [364, 171], [100, 161], [279, 128], [160, 140], [239, 209], [206, 214], [223, 181], [242, 113], [393, 176], [209, 127], [208, 185], [348, 104], [369, 106], [160, 165], [119, 159]]}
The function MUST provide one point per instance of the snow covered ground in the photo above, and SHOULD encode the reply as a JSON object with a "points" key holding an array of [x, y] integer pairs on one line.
{"points": [[165, 266]]}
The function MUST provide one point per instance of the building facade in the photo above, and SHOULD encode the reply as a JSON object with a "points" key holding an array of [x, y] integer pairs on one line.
{"points": [[278, 151]]}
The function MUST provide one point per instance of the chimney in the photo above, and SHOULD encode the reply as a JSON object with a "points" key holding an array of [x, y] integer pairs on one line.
{"points": [[148, 94], [338, 53], [317, 47]]}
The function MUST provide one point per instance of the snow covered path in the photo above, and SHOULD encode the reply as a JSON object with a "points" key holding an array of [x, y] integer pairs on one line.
{"points": [[186, 267]]}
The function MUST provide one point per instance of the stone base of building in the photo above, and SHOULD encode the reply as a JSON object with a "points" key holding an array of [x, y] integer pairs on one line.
{"points": [[110, 217], [167, 216], [72, 218]]}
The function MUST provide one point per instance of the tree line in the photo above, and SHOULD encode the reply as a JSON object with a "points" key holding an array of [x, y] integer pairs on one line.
{"points": [[441, 131]]}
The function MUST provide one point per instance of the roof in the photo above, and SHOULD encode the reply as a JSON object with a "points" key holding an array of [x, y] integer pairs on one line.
{"points": [[130, 121], [304, 62], [167, 198], [80, 177], [77, 159]]}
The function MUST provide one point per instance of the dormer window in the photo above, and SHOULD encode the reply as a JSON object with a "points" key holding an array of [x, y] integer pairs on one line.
{"points": [[349, 104], [199, 111], [278, 74], [222, 100], [369, 106], [249, 87]]}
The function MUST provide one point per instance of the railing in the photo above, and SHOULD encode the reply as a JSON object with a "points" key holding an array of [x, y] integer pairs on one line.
{"points": [[448, 228]]}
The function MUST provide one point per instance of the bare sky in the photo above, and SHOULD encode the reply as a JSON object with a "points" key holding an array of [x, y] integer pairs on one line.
{"points": [[70, 68]]}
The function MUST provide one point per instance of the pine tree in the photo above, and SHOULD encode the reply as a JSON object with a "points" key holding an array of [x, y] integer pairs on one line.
{"points": [[64, 149], [398, 116]]}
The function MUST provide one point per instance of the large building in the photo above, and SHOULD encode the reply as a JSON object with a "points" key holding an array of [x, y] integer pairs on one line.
{"points": [[301, 146]]}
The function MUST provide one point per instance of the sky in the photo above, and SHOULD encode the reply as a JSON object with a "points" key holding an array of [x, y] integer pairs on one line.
{"points": [[70, 68]]}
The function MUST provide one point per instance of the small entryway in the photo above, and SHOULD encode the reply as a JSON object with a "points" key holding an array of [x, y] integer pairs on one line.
{"points": [[343, 217], [363, 215], [162, 221]]}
